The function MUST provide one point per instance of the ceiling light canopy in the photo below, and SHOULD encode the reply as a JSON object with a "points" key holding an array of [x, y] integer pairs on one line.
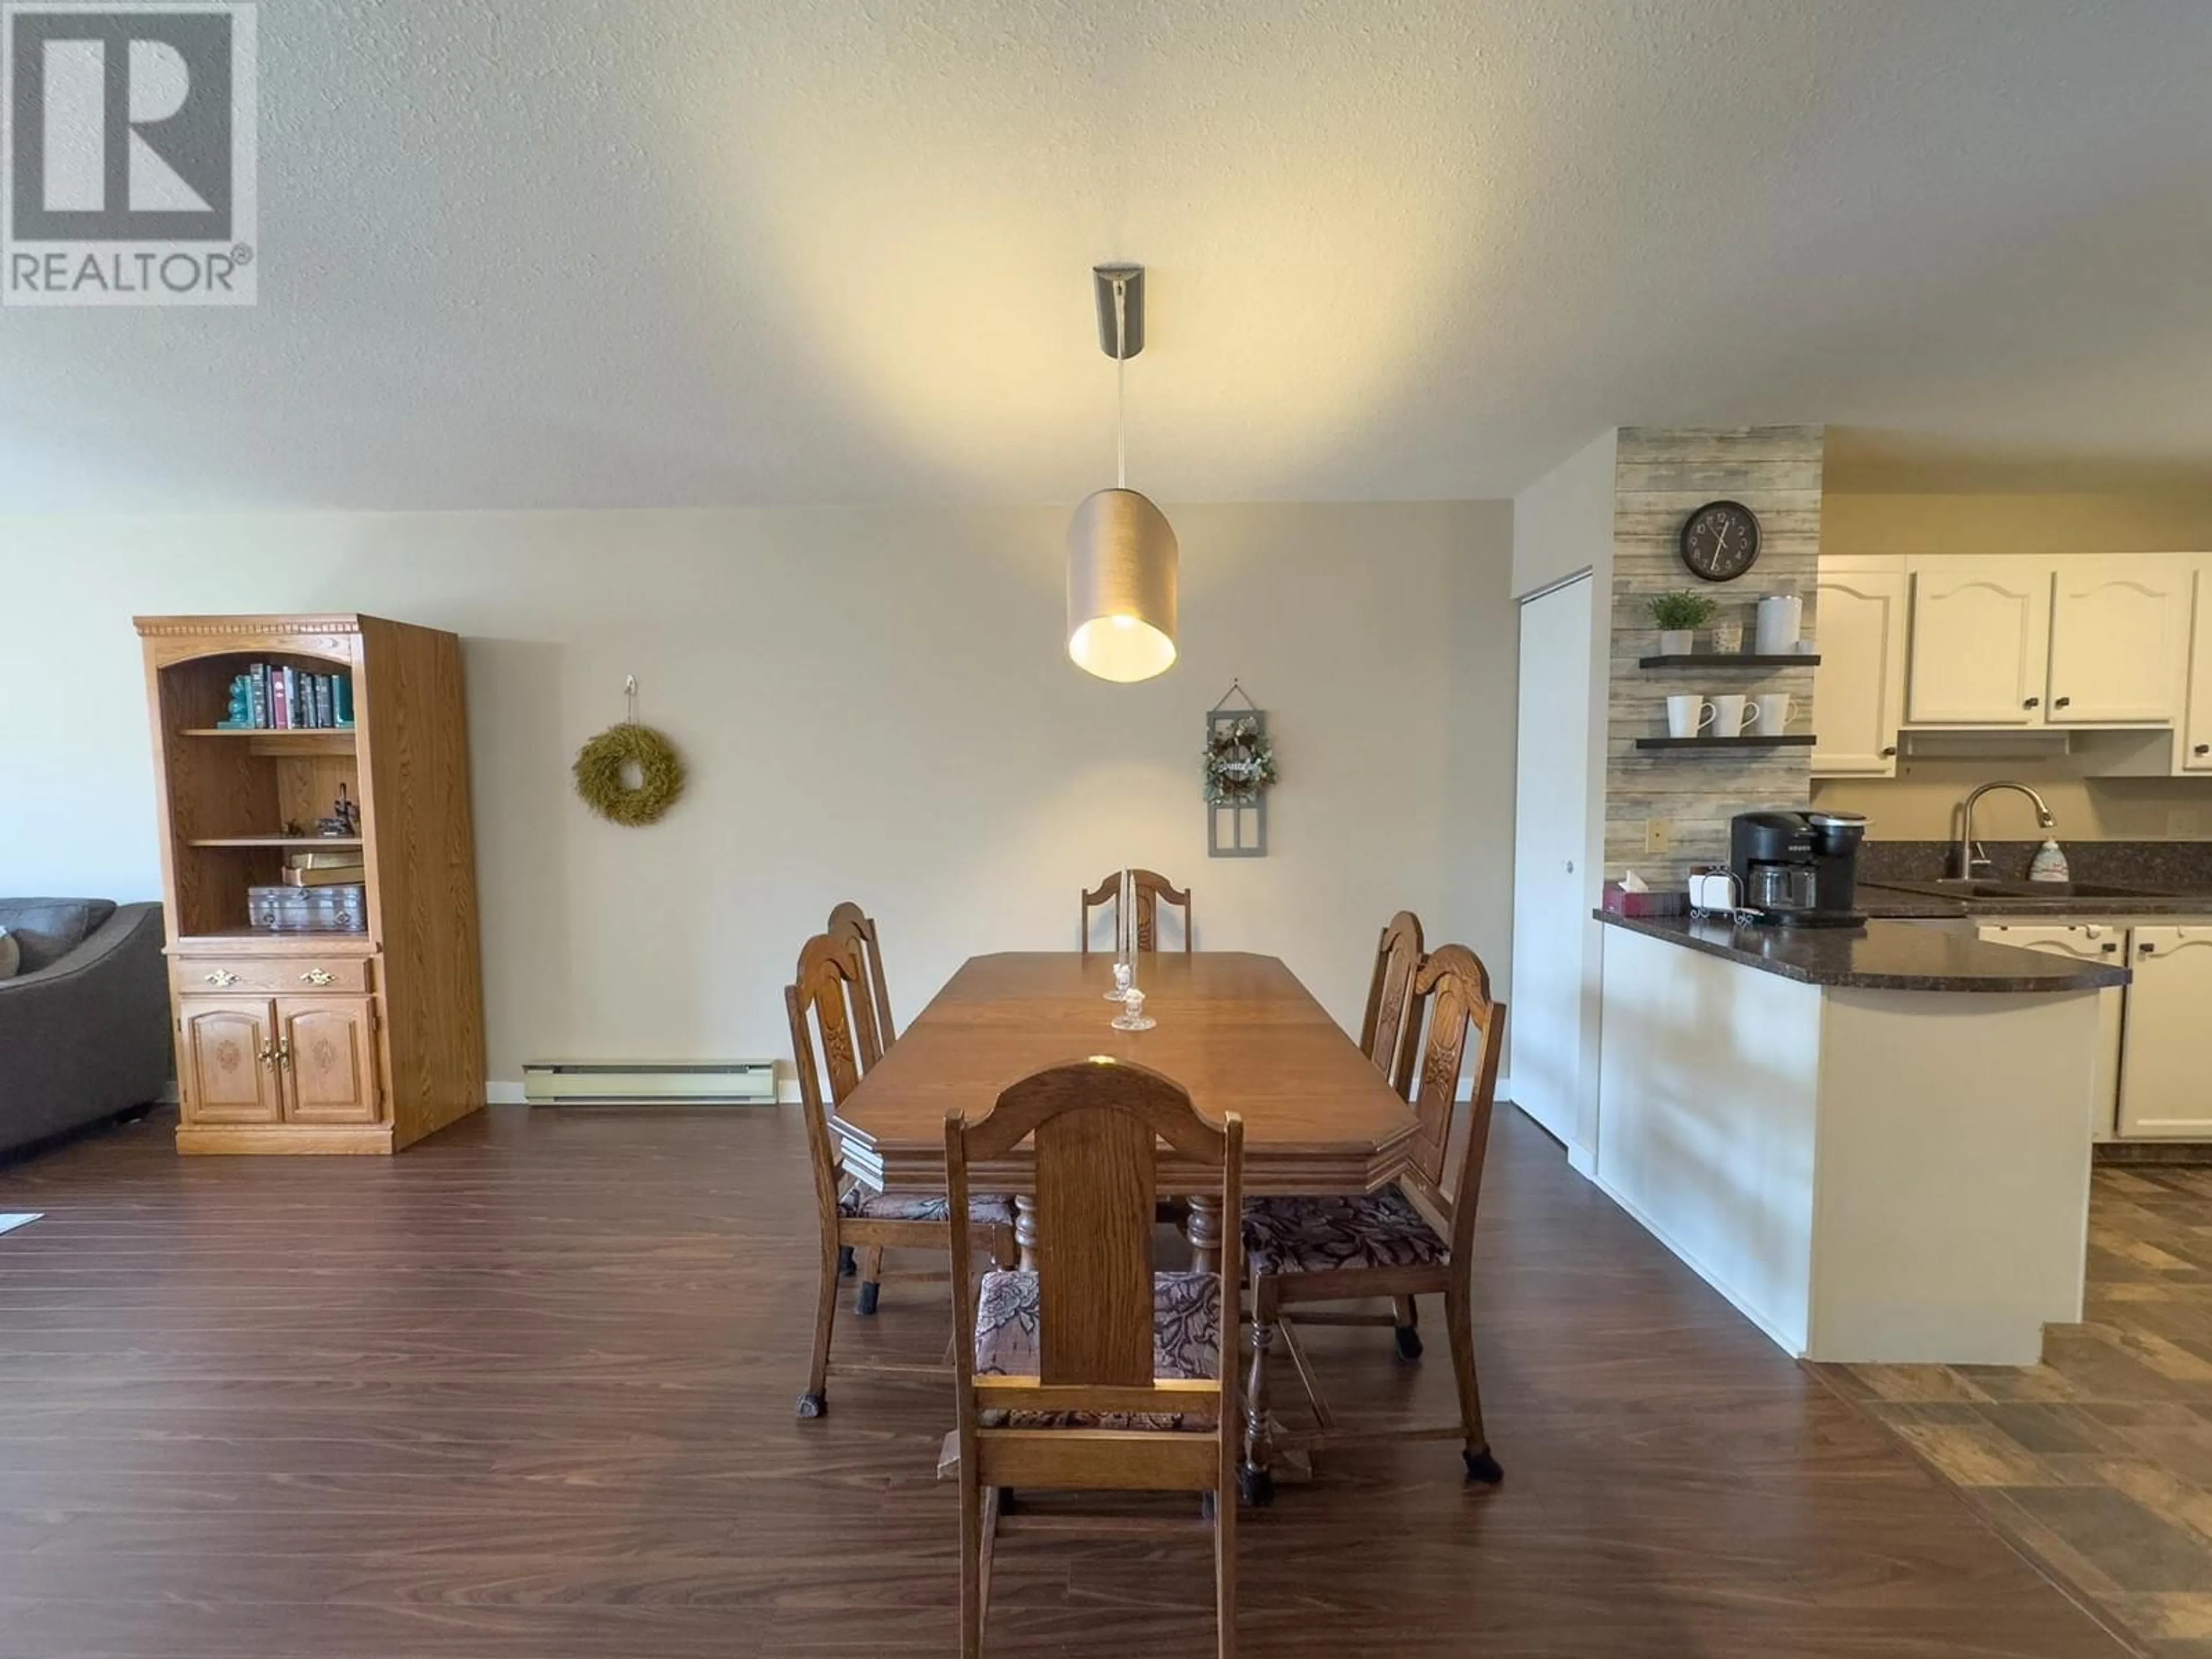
{"points": [[1122, 551]]}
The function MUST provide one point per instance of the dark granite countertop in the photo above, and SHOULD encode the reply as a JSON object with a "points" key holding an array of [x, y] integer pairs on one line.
{"points": [[1882, 956]]}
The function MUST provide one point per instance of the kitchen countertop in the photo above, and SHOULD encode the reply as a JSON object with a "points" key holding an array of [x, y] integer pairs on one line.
{"points": [[1882, 956]]}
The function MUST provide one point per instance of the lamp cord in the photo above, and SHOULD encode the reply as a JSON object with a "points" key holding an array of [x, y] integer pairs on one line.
{"points": [[1120, 383]]}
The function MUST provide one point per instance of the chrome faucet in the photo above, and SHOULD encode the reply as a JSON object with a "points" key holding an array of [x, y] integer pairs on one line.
{"points": [[1971, 859]]}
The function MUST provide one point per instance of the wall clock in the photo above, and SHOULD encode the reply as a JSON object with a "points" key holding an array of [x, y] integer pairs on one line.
{"points": [[1720, 540]]}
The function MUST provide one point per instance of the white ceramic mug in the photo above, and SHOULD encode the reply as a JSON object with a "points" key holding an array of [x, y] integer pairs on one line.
{"points": [[1773, 713], [1688, 715], [1733, 714]]}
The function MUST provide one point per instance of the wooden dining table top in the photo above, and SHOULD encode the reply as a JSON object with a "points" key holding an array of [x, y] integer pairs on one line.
{"points": [[1239, 1031]]}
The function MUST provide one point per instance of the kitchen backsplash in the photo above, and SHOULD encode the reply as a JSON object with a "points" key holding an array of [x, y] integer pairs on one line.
{"points": [[1662, 475], [2178, 866]]}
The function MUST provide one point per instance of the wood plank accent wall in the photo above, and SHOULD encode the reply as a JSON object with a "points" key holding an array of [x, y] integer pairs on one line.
{"points": [[1662, 475]]}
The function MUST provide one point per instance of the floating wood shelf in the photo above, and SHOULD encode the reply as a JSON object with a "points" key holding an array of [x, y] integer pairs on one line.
{"points": [[275, 841], [1802, 740], [1732, 659]]}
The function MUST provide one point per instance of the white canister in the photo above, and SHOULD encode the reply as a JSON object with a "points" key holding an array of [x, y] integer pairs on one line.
{"points": [[1781, 621]]}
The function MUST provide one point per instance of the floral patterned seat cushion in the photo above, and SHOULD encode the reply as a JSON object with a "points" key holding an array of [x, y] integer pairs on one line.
{"points": [[983, 1209], [1328, 1234], [1186, 1345]]}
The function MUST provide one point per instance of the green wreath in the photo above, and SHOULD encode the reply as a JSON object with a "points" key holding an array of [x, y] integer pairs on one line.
{"points": [[1238, 763], [599, 772]]}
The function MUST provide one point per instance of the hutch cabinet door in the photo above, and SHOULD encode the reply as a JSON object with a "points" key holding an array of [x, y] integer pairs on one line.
{"points": [[1858, 690], [226, 1063], [327, 1052], [2119, 639], [1981, 641]]}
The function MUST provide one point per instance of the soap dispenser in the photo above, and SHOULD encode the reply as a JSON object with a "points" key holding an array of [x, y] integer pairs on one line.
{"points": [[2050, 864]]}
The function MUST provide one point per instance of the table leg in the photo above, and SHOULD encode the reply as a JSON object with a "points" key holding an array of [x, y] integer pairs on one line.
{"points": [[1025, 1230], [1203, 1228]]}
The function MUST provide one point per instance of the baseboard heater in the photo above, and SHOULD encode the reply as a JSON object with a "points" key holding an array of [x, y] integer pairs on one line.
{"points": [[648, 1082]]}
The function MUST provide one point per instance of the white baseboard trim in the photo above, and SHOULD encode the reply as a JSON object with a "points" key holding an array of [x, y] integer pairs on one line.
{"points": [[1794, 1350], [1583, 1163]]}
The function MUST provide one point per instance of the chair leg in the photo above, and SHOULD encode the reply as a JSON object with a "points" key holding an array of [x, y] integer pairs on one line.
{"points": [[844, 1262], [1405, 1313], [1459, 1322], [1254, 1485], [1225, 1574], [971, 1562], [986, 1547], [816, 1400], [872, 1274]]}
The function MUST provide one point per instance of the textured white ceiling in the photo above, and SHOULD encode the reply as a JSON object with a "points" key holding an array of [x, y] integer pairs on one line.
{"points": [[588, 252]]}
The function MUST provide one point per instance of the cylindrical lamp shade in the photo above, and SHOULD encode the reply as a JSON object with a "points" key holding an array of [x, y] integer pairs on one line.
{"points": [[1121, 559]]}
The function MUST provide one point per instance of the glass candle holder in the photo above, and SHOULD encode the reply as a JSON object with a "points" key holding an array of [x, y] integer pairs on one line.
{"points": [[1132, 1016], [1121, 991]]}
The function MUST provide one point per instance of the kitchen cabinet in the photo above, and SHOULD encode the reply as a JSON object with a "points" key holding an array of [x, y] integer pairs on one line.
{"points": [[2162, 1071], [1980, 641], [2094, 941], [2194, 749], [2119, 639], [1858, 690]]}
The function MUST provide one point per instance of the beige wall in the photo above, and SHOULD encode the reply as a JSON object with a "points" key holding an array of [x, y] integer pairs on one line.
{"points": [[1916, 806], [874, 704], [1563, 522]]}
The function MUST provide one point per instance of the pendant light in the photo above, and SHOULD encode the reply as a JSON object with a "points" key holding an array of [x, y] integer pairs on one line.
{"points": [[1122, 551]]}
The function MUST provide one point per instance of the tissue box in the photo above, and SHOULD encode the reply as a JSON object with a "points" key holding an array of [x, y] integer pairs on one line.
{"points": [[1622, 903]]}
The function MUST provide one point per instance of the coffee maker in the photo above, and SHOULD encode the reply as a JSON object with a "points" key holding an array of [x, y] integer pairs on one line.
{"points": [[1800, 869]]}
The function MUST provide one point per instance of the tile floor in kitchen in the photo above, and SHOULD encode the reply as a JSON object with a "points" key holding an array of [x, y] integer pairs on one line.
{"points": [[2098, 1462]]}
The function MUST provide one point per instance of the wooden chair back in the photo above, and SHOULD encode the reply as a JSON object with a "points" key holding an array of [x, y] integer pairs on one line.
{"points": [[1153, 889], [1097, 1125], [833, 1042], [849, 921], [1451, 1000], [1390, 993]]}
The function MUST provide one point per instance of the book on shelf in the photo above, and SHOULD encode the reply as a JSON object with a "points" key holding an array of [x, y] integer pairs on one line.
{"points": [[270, 697], [337, 858], [334, 875]]}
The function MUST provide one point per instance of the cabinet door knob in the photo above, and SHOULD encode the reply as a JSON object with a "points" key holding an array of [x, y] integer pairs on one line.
{"points": [[2202, 749], [1890, 753], [2061, 702], [268, 1055], [2032, 703], [316, 976], [223, 977], [284, 1052]]}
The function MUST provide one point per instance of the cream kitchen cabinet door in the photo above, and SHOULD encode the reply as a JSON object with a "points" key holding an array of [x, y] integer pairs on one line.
{"points": [[2119, 639], [1981, 641], [2162, 1071], [2194, 746], [1858, 690]]}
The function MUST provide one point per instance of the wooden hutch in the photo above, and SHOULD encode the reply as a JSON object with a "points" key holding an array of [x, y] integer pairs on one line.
{"points": [[316, 1041]]}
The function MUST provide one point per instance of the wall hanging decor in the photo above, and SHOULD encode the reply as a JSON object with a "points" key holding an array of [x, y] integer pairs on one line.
{"points": [[602, 768], [1237, 767]]}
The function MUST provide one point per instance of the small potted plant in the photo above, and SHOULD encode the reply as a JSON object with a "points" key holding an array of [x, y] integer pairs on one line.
{"points": [[1679, 615]]}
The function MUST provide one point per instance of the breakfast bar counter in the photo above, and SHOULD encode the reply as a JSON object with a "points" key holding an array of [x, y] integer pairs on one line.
{"points": [[1874, 1142]]}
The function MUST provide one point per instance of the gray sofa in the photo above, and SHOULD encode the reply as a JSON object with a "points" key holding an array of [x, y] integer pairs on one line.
{"points": [[84, 1023]]}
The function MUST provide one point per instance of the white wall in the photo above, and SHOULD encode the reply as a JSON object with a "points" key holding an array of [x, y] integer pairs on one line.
{"points": [[874, 705], [1563, 522]]}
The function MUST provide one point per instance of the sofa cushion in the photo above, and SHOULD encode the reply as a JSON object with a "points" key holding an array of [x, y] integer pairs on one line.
{"points": [[46, 929], [11, 955]]}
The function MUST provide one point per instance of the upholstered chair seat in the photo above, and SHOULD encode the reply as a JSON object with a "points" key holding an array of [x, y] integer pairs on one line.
{"points": [[1327, 1235], [983, 1210], [1186, 1346]]}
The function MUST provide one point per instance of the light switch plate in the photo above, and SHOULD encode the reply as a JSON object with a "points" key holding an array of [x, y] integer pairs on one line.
{"points": [[1658, 836]]}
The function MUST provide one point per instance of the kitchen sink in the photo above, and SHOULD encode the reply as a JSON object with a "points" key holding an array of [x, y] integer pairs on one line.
{"points": [[1979, 888]]}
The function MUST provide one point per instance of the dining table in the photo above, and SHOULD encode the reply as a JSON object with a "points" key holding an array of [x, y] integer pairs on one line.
{"points": [[1237, 1030]]}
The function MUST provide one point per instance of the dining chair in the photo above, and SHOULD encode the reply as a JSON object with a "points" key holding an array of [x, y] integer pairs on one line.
{"points": [[848, 920], [1415, 1238], [833, 1036], [1153, 888], [1382, 1031], [1095, 1372]]}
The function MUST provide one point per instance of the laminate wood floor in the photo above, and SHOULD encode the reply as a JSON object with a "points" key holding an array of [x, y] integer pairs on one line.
{"points": [[2098, 1460], [525, 1392]]}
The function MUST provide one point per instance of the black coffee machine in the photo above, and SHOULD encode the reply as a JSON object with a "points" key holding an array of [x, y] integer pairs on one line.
{"points": [[1800, 869]]}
